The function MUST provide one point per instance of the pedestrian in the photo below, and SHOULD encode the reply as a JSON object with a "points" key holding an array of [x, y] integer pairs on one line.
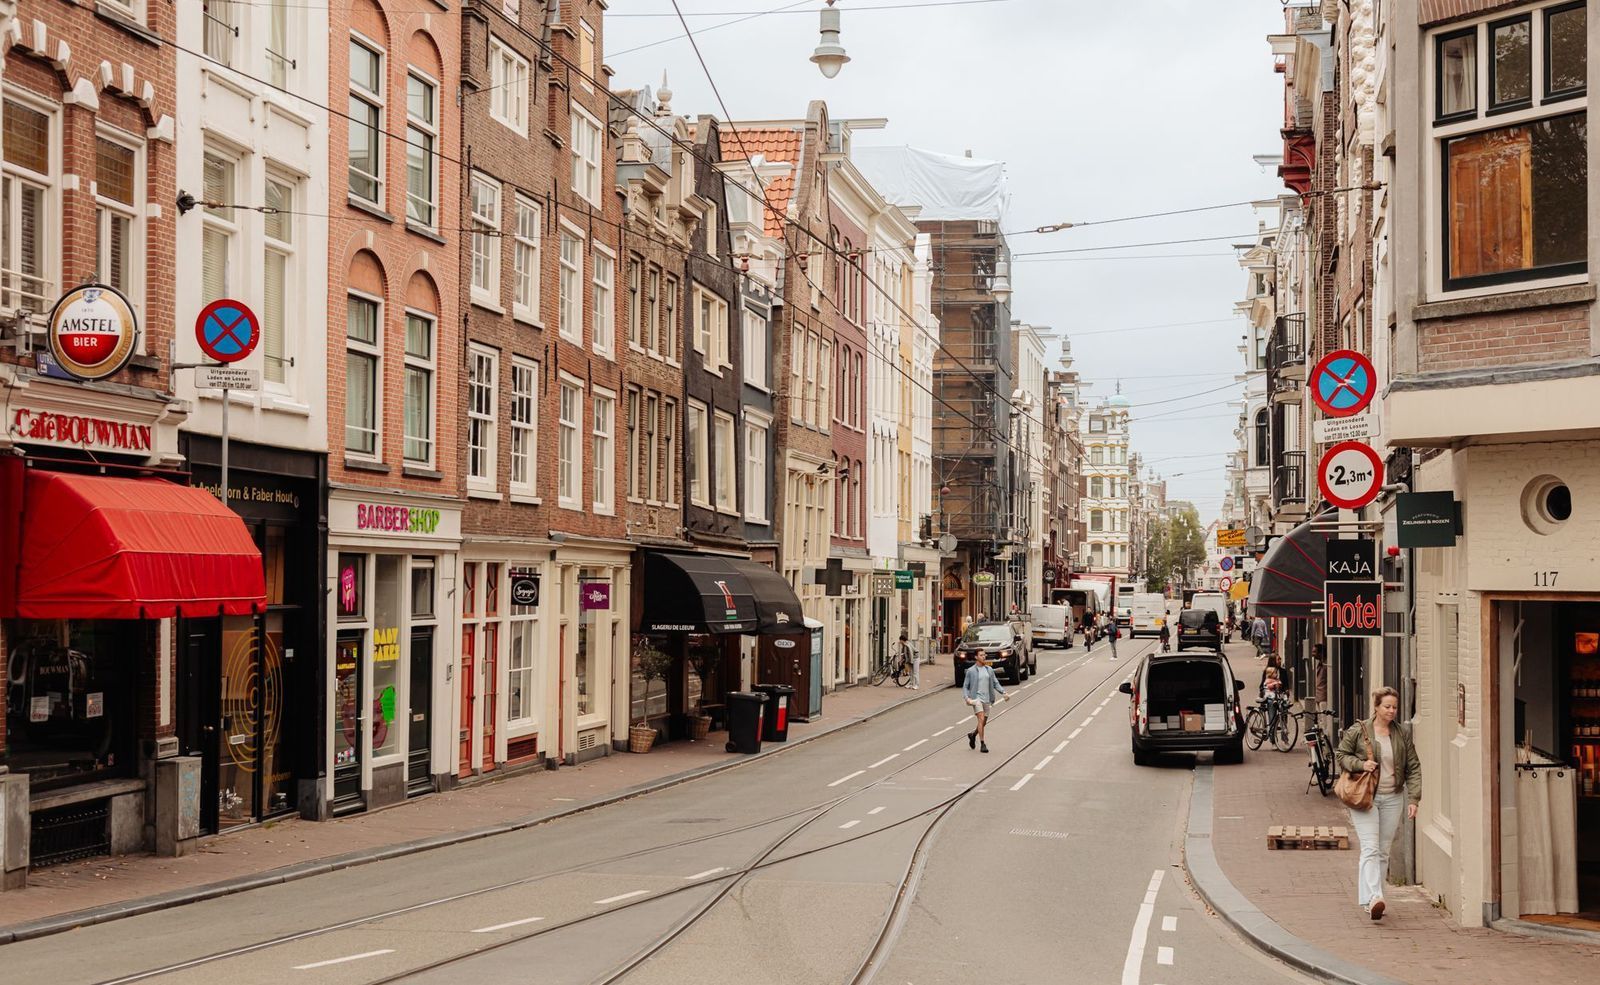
{"points": [[1166, 637], [1258, 635], [1114, 631], [1383, 746], [910, 658], [981, 689]]}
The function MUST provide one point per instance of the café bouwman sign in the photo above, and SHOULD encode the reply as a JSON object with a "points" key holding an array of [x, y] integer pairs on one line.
{"points": [[92, 332]]}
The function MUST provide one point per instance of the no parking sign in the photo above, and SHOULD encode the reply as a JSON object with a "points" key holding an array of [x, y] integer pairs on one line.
{"points": [[227, 330]]}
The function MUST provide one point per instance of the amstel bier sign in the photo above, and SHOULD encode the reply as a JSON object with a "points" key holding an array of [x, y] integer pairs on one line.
{"points": [[92, 331]]}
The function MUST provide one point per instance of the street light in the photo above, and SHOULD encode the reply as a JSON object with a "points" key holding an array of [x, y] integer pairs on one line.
{"points": [[829, 55], [1000, 286]]}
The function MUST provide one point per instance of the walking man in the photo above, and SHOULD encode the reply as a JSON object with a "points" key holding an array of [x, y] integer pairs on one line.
{"points": [[981, 689], [1114, 633]]}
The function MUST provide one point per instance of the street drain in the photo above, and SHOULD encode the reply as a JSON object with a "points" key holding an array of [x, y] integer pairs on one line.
{"points": [[1024, 832]]}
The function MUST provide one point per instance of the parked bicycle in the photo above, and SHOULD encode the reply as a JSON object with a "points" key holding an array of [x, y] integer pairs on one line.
{"points": [[1320, 743], [1271, 721], [896, 665]]}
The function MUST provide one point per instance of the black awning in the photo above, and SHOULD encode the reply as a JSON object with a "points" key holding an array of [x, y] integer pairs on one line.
{"points": [[777, 606], [1287, 584], [695, 593]]}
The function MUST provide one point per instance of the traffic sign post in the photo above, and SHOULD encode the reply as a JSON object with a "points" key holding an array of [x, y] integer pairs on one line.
{"points": [[1343, 383], [227, 331], [1350, 475]]}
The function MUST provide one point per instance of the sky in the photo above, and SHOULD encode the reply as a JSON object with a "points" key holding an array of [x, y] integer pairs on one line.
{"points": [[1100, 111]]}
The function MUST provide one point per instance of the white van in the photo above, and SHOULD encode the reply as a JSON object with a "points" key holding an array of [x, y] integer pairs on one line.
{"points": [[1149, 613], [1217, 602], [1051, 624]]}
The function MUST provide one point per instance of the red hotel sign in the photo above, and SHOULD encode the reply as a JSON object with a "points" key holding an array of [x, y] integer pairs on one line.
{"points": [[78, 431]]}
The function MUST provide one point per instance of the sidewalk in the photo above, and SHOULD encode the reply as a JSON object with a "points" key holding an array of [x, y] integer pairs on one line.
{"points": [[1301, 905], [99, 889]]}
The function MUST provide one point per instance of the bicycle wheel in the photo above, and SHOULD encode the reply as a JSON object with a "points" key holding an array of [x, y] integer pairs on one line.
{"points": [[1325, 770], [1287, 732], [878, 675], [1255, 723], [902, 673]]}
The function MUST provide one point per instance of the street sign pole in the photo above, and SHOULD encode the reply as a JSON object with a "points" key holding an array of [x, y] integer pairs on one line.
{"points": [[226, 499]]}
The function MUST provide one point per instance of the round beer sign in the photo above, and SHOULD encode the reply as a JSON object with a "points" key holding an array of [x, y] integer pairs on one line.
{"points": [[92, 331]]}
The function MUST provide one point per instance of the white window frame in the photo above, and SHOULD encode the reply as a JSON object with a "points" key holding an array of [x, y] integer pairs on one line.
{"points": [[757, 469], [653, 435], [427, 363], [725, 473], [527, 257], [485, 256], [604, 450], [588, 141], [634, 273], [282, 21], [672, 288], [524, 432], [373, 349], [604, 294], [757, 344], [569, 293], [822, 384], [697, 473], [569, 428], [508, 86], [375, 99], [669, 451], [633, 445], [429, 129], [524, 625], [588, 55], [42, 295], [131, 212], [477, 357], [797, 380], [291, 282], [133, 10], [219, 28], [710, 224]]}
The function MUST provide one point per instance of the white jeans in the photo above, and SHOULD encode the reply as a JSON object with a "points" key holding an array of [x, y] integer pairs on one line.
{"points": [[1376, 827]]}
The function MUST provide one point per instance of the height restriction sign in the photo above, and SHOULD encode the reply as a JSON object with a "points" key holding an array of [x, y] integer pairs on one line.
{"points": [[1350, 475], [1343, 382]]}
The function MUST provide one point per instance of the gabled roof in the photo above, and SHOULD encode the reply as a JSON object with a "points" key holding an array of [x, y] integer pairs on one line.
{"points": [[776, 145]]}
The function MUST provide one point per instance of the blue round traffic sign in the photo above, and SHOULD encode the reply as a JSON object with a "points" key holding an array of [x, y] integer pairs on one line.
{"points": [[1226, 564], [227, 330], [1343, 383]]}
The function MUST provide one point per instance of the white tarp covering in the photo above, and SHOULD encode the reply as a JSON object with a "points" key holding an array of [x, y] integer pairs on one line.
{"points": [[945, 187]]}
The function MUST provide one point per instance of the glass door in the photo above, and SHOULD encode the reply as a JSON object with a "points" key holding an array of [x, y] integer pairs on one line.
{"points": [[348, 681]]}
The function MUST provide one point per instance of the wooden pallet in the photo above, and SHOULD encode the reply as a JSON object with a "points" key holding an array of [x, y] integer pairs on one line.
{"points": [[1308, 836]]}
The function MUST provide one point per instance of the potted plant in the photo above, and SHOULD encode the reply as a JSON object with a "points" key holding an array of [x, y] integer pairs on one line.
{"points": [[654, 665], [703, 660]]}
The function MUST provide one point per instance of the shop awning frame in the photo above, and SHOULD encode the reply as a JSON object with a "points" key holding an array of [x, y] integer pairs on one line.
{"points": [[710, 593], [1287, 582]]}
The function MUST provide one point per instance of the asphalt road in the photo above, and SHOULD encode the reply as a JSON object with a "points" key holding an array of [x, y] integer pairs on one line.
{"points": [[1051, 859]]}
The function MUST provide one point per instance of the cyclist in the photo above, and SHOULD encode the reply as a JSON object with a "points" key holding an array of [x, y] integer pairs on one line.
{"points": [[904, 658]]}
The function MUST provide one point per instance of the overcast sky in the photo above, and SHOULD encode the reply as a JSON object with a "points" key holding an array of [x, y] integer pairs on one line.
{"points": [[1100, 111]]}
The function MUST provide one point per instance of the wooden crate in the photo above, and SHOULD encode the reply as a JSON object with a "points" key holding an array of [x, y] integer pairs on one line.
{"points": [[1308, 836]]}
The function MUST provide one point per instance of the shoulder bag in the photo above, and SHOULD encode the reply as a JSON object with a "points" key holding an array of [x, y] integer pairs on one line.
{"points": [[1355, 790]]}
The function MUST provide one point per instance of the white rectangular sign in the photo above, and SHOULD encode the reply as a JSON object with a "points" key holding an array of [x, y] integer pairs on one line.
{"points": [[227, 378], [1332, 430]]}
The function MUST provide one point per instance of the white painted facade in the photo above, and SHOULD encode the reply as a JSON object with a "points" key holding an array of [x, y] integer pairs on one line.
{"points": [[1105, 505], [1028, 403]]}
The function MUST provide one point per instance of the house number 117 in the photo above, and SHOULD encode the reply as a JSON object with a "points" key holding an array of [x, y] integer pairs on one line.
{"points": [[1545, 579]]}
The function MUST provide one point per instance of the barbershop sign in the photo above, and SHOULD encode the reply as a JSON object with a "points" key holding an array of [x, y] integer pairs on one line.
{"points": [[396, 519]]}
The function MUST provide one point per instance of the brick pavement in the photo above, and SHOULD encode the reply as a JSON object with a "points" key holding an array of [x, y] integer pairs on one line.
{"points": [[1312, 894], [261, 848]]}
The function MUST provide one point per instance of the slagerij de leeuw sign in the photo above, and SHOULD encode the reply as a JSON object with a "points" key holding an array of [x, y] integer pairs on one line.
{"points": [[1426, 519]]}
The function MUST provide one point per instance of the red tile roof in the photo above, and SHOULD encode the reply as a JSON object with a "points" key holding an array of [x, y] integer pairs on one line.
{"points": [[776, 145]]}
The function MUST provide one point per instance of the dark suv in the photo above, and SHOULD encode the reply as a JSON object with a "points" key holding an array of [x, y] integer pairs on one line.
{"points": [[1006, 644], [1185, 702], [1199, 627]]}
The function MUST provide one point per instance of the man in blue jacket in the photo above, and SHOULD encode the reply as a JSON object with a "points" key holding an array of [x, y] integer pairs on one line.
{"points": [[981, 689]]}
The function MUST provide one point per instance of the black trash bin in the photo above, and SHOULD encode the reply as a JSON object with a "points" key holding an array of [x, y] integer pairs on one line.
{"points": [[744, 721], [775, 720]]}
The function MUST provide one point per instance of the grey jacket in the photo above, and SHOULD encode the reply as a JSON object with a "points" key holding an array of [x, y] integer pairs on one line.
{"points": [[1352, 753], [981, 683]]}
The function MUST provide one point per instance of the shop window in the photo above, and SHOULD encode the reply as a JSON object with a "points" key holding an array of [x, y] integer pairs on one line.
{"points": [[385, 713], [590, 655], [352, 586], [275, 559], [648, 698], [71, 700], [423, 574], [523, 696]]}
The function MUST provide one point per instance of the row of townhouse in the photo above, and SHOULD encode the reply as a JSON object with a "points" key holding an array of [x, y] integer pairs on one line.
{"points": [[1439, 220], [568, 407]]}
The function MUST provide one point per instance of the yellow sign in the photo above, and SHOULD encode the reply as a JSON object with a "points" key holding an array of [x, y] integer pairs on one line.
{"points": [[1239, 591], [1230, 537]]}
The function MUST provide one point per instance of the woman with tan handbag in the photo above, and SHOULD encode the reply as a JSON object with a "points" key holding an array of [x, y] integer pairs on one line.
{"points": [[1379, 776]]}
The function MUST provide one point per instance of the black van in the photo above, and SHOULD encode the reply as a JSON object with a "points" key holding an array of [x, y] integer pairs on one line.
{"points": [[1185, 702], [1199, 627]]}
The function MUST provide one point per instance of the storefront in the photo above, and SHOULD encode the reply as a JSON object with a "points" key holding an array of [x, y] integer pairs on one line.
{"points": [[507, 680], [392, 585], [593, 583], [247, 686]]}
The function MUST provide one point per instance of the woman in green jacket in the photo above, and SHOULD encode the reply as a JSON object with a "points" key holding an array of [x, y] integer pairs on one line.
{"points": [[1380, 745]]}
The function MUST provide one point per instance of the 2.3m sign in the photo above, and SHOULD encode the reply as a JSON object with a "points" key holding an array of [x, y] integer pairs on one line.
{"points": [[1353, 608]]}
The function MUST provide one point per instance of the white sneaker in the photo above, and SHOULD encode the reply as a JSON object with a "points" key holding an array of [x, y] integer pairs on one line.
{"points": [[915, 688]]}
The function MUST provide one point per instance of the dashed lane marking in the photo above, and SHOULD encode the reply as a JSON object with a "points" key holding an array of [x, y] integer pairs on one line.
{"points": [[943, 731], [525, 920], [842, 779], [620, 897], [1097, 711], [1044, 762], [1163, 955], [876, 810], [1076, 732], [701, 875], [892, 755], [914, 745], [966, 720], [1087, 722], [846, 826], [1169, 924], [1022, 782], [1059, 746], [343, 960]]}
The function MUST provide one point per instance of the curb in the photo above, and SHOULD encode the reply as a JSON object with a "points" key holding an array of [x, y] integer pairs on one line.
{"points": [[1200, 862], [47, 926]]}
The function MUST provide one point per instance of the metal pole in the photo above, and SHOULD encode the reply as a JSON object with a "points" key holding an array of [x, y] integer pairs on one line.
{"points": [[226, 499]]}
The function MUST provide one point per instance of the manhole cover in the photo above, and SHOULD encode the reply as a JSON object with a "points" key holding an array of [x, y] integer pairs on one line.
{"points": [[1024, 832]]}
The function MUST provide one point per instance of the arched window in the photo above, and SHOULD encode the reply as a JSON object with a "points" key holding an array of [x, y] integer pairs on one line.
{"points": [[1263, 452]]}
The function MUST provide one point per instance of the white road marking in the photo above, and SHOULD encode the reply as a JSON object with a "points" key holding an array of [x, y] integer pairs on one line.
{"points": [[1076, 732], [1087, 722], [842, 779], [892, 755], [1044, 762], [348, 957], [943, 731], [1169, 924], [876, 810], [1059, 746], [1097, 711], [1163, 955], [1105, 702], [518, 923], [1141, 929], [1112, 695], [708, 872], [914, 745], [1022, 782], [620, 898], [846, 826], [966, 720]]}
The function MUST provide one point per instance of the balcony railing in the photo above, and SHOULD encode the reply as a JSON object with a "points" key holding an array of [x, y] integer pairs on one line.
{"points": [[1289, 479], [1286, 350]]}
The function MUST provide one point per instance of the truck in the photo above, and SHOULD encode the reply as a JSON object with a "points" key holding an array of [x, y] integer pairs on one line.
{"points": [[1148, 613], [1082, 599]]}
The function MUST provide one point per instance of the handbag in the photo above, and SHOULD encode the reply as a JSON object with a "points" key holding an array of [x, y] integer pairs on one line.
{"points": [[1355, 790]]}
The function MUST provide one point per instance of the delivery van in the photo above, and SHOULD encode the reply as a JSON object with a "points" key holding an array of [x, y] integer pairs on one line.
{"points": [[1052, 625], [1149, 613]]}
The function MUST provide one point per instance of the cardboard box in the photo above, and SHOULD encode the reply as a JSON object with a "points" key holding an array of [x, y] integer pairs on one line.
{"points": [[1193, 722]]}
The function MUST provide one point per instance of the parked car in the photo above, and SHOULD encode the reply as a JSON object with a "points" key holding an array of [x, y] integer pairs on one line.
{"points": [[1052, 624], [1185, 702], [1006, 645], [1199, 627]]}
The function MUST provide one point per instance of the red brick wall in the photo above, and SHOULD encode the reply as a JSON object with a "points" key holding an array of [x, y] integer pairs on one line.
{"points": [[1507, 338]]}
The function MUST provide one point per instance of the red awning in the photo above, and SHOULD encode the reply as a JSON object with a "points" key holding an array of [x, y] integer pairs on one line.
{"points": [[95, 547]]}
